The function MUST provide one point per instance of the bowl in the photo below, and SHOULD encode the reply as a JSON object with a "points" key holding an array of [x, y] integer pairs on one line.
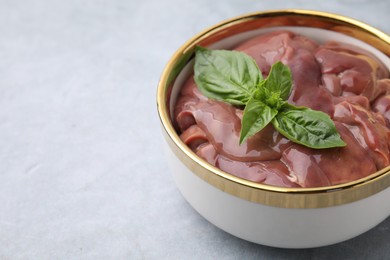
{"points": [[263, 214]]}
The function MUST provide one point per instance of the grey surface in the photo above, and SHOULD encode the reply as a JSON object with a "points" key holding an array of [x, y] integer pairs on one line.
{"points": [[82, 171]]}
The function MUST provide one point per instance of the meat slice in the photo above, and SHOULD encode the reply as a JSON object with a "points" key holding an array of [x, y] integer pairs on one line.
{"points": [[378, 66], [268, 172], [367, 130], [193, 137], [317, 168], [345, 74], [221, 123]]}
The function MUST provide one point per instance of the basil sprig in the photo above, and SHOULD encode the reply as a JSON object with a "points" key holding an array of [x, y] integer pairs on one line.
{"points": [[234, 77]]}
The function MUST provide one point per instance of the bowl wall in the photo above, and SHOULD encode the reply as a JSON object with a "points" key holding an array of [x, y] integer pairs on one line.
{"points": [[276, 226]]}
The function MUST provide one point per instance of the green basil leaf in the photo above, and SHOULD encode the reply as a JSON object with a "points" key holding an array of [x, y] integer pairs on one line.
{"points": [[234, 77], [279, 80], [308, 127], [228, 76], [256, 116], [261, 93]]}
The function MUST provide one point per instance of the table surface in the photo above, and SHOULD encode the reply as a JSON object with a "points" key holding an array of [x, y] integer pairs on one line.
{"points": [[83, 173]]}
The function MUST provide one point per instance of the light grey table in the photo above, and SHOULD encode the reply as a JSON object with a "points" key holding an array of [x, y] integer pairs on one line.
{"points": [[82, 171]]}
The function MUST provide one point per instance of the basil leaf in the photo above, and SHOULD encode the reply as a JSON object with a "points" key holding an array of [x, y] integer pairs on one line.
{"points": [[279, 80], [308, 127], [234, 77], [228, 76], [256, 116]]}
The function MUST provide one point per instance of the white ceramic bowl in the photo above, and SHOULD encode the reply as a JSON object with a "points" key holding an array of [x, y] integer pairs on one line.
{"points": [[274, 216]]}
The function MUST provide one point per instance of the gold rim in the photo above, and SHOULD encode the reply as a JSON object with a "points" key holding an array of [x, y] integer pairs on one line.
{"points": [[256, 192]]}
